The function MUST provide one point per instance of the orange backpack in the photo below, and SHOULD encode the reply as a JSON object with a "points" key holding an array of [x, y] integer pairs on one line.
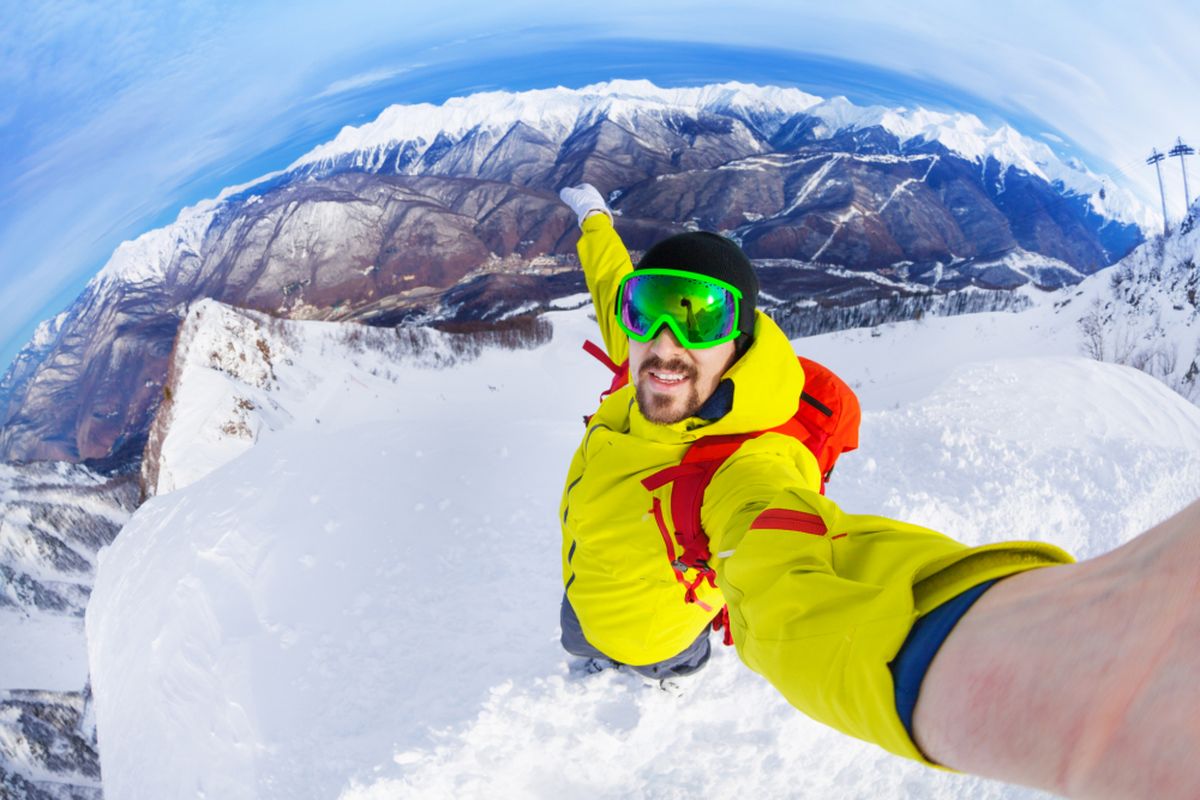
{"points": [[826, 421]]}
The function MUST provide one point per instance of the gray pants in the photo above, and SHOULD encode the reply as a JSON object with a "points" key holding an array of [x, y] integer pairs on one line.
{"points": [[690, 660]]}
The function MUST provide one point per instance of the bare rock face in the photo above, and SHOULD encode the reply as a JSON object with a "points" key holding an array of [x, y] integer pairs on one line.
{"points": [[466, 225]]}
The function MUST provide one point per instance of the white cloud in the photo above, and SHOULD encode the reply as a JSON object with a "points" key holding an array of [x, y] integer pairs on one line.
{"points": [[363, 80]]}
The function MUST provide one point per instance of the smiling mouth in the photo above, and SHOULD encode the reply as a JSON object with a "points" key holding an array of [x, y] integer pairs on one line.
{"points": [[662, 380]]}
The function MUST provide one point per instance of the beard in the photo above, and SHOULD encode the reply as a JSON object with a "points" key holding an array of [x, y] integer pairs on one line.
{"points": [[664, 409]]}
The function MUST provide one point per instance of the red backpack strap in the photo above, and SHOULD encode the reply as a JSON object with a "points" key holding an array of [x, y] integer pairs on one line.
{"points": [[620, 371], [826, 421], [689, 479], [597, 352]]}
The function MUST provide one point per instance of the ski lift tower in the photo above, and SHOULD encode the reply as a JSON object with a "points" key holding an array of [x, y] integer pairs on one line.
{"points": [[1154, 158], [1180, 149]]}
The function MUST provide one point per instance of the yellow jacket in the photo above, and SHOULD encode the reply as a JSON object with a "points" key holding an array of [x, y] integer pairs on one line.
{"points": [[819, 600]]}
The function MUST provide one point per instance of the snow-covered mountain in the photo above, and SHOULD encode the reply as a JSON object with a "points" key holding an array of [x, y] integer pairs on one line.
{"points": [[347, 584], [1145, 311], [53, 520], [48, 746], [449, 212], [405, 135]]}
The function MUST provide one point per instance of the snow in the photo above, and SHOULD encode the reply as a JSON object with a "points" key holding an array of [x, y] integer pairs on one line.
{"points": [[46, 652], [815, 181], [148, 258], [558, 111], [571, 301], [900, 363], [968, 136], [1145, 310], [47, 332], [553, 111], [53, 517], [363, 603]]}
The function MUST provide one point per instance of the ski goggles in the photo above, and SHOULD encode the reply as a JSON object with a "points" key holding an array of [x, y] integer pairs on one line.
{"points": [[701, 311]]}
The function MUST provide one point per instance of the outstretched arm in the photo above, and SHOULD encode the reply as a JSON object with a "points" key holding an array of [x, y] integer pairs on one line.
{"points": [[821, 601], [1081, 679], [605, 261]]}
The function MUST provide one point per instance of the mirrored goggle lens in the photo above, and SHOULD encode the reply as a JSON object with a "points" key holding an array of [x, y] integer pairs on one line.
{"points": [[703, 312]]}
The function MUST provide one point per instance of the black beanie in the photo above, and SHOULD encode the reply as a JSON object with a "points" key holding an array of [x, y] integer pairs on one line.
{"points": [[713, 255]]}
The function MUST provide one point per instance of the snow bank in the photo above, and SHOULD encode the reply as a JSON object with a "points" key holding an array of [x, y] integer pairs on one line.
{"points": [[366, 606]]}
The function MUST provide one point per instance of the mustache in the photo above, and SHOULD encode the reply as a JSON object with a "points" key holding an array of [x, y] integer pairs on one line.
{"points": [[657, 364]]}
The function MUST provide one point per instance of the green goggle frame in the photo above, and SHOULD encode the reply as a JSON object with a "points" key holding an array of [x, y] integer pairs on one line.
{"points": [[701, 311]]}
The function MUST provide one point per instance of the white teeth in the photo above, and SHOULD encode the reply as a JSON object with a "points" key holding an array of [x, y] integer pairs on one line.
{"points": [[668, 377]]}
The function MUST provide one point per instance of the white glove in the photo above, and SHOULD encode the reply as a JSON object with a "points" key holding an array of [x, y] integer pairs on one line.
{"points": [[584, 200]]}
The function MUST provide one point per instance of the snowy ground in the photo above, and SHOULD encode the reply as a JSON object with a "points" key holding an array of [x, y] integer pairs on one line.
{"points": [[53, 519], [47, 654], [364, 603]]}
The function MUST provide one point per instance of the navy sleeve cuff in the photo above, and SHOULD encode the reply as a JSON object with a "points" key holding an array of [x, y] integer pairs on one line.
{"points": [[917, 652]]}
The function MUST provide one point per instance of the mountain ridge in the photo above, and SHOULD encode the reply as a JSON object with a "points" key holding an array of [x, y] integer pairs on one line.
{"points": [[466, 226], [959, 132]]}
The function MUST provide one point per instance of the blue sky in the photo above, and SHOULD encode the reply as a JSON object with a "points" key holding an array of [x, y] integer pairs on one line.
{"points": [[115, 115]]}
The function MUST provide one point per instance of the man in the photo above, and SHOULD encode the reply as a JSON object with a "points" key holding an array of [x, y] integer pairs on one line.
{"points": [[842, 613]]}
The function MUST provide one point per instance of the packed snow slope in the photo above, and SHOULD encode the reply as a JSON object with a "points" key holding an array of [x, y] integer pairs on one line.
{"points": [[353, 590]]}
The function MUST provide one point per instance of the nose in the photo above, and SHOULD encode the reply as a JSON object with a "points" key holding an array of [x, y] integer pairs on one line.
{"points": [[665, 344]]}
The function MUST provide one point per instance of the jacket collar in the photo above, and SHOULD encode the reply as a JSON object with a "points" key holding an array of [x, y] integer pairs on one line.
{"points": [[719, 403]]}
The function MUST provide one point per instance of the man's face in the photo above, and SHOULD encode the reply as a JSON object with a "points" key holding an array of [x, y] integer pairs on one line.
{"points": [[671, 381]]}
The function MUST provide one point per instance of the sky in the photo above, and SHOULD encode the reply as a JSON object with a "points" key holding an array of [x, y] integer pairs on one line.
{"points": [[115, 115]]}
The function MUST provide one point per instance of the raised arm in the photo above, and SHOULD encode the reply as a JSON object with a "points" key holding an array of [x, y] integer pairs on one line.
{"points": [[1082, 679], [605, 261]]}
